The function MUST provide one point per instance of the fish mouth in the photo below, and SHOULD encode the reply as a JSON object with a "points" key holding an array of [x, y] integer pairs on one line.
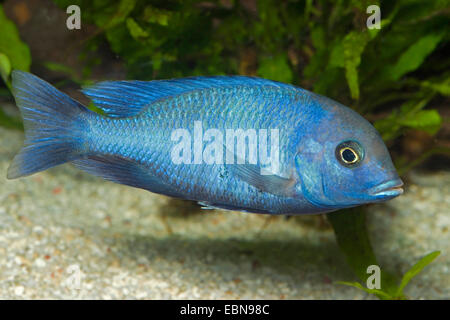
{"points": [[391, 189]]}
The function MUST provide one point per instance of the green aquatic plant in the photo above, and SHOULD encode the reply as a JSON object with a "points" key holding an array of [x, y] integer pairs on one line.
{"points": [[353, 239], [14, 54], [393, 292]]}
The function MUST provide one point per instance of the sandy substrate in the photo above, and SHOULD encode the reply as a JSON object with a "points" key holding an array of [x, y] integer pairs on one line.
{"points": [[65, 234]]}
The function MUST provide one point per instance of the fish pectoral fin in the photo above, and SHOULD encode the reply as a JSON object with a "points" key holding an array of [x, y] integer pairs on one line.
{"points": [[125, 171], [273, 184]]}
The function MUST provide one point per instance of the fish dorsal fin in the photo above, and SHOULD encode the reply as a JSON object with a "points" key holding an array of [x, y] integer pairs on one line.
{"points": [[128, 98]]}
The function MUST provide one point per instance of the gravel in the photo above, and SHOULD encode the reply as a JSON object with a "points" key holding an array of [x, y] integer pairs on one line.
{"points": [[65, 234]]}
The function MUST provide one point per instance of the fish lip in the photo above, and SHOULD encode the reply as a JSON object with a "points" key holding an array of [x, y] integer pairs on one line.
{"points": [[391, 188]]}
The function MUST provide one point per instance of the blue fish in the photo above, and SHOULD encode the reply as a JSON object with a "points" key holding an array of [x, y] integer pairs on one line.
{"points": [[229, 142]]}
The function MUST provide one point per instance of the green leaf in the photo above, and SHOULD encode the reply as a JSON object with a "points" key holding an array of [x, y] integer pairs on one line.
{"points": [[353, 239], [123, 10], [318, 37], [58, 67], [380, 293], [275, 68], [354, 44], [425, 120], [14, 52], [135, 30], [414, 56], [410, 115], [351, 234], [5, 67], [416, 269], [337, 55], [442, 88], [158, 16], [347, 54]]}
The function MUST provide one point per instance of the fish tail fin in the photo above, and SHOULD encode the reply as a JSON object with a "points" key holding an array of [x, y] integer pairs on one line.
{"points": [[53, 125]]}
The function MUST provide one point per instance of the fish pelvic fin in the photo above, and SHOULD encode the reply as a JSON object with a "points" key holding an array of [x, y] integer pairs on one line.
{"points": [[53, 125]]}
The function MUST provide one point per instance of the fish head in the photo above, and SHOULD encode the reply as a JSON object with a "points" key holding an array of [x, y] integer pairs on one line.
{"points": [[343, 161]]}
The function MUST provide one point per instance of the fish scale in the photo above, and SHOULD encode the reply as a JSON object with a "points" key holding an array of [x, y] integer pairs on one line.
{"points": [[193, 176], [201, 184]]}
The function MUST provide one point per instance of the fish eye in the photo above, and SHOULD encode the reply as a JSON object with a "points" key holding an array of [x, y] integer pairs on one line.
{"points": [[349, 153]]}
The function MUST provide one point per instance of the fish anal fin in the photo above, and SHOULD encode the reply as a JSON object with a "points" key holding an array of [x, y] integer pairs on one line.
{"points": [[125, 171]]}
